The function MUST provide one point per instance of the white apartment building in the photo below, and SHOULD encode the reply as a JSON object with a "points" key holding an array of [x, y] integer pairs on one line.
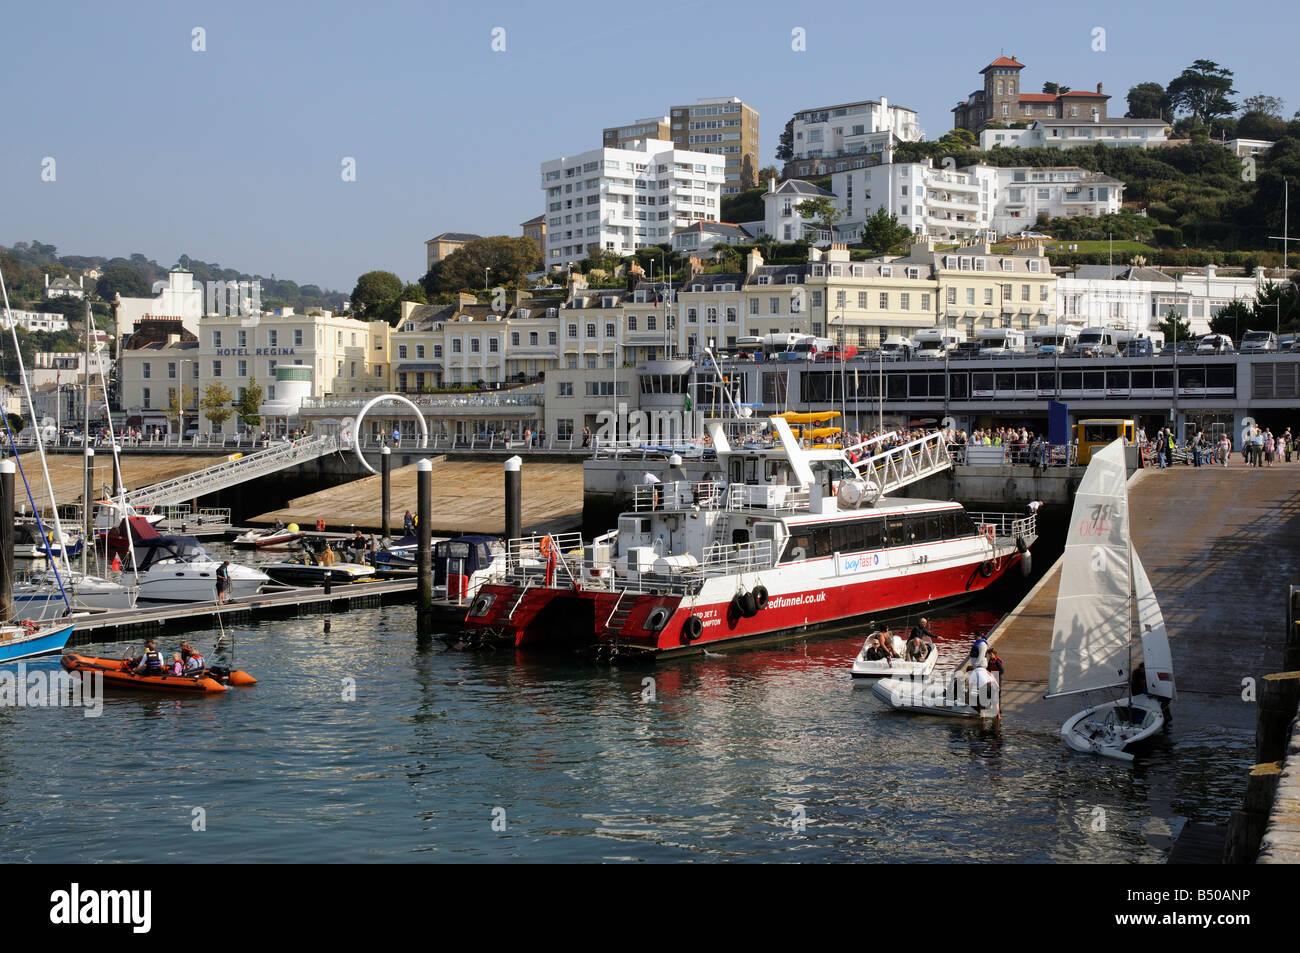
{"points": [[37, 321], [1055, 191], [66, 367], [868, 127], [781, 218], [1074, 131], [620, 200], [947, 204], [1136, 298]]}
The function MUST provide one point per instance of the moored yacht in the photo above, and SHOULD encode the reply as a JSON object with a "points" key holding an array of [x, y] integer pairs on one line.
{"points": [[179, 569]]}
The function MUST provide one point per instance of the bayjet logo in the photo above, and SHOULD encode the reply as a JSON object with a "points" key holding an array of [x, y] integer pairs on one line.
{"points": [[76, 906]]}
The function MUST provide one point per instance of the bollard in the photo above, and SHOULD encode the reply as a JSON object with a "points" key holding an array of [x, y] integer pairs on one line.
{"points": [[386, 493], [7, 470], [514, 498], [424, 560], [1279, 697]]}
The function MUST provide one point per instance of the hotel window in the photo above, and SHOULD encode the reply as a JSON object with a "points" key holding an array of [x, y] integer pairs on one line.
{"points": [[474, 345], [925, 302], [272, 338], [145, 370], [952, 295], [731, 316], [841, 299], [884, 301], [905, 302], [242, 368], [242, 338], [437, 352], [609, 329], [1008, 293], [171, 371], [862, 300], [297, 337], [551, 337], [988, 296], [573, 330], [532, 339], [455, 346], [514, 338], [494, 345], [1024, 292], [773, 305], [970, 296], [144, 394], [419, 351], [651, 322], [216, 339], [1042, 292], [753, 306], [692, 316], [591, 332], [816, 301]]}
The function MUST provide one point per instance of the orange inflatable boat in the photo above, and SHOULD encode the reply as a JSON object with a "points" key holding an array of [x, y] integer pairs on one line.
{"points": [[117, 674]]}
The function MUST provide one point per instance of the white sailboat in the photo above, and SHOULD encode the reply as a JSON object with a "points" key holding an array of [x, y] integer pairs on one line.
{"points": [[1092, 636]]}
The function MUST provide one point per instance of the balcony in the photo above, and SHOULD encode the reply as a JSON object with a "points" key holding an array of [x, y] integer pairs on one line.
{"points": [[950, 203]]}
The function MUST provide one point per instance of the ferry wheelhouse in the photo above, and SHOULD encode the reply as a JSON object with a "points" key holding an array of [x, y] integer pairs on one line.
{"points": [[781, 539]]}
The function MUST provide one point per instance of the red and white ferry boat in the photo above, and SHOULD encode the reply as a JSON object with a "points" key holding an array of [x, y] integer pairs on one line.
{"points": [[782, 540]]}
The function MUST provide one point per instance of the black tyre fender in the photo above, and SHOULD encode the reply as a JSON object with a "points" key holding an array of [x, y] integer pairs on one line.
{"points": [[986, 570], [692, 628], [1021, 545], [761, 597], [748, 605], [657, 619]]}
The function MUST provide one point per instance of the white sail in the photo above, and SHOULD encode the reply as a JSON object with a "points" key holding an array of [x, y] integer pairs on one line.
{"points": [[1090, 637], [1156, 656]]}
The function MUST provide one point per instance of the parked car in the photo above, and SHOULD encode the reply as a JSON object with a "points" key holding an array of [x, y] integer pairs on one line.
{"points": [[1215, 344], [1139, 347]]}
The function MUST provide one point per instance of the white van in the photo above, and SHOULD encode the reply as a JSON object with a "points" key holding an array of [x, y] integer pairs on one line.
{"points": [[897, 348], [1257, 341], [1053, 339], [1215, 344], [1098, 342], [1000, 342], [936, 342]]}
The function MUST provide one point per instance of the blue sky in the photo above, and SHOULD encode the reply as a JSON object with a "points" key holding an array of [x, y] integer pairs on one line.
{"points": [[234, 154]]}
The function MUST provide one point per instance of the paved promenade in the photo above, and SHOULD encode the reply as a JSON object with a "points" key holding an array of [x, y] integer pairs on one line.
{"points": [[1220, 546]]}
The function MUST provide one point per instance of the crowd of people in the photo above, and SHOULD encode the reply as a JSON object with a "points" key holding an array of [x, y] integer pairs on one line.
{"points": [[1260, 447]]}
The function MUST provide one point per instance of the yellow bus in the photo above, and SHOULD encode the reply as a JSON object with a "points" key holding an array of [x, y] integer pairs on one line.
{"points": [[1090, 435]]}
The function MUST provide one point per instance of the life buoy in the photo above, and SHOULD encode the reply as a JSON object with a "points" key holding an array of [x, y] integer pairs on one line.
{"points": [[320, 526], [986, 570], [761, 597], [692, 628]]}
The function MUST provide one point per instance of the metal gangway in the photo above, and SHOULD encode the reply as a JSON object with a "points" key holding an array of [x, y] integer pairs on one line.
{"points": [[230, 473], [897, 467]]}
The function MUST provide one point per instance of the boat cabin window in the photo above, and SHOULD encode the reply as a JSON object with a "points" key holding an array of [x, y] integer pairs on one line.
{"points": [[739, 536], [877, 533]]}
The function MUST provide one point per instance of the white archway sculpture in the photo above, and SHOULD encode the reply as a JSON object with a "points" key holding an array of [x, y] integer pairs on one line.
{"points": [[383, 398]]}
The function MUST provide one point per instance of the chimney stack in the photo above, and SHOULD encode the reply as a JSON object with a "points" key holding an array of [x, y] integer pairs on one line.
{"points": [[1099, 89]]}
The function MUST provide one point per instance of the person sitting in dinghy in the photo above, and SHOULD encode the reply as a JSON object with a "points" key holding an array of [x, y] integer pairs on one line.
{"points": [[882, 648], [151, 662], [193, 660], [920, 642], [178, 664]]}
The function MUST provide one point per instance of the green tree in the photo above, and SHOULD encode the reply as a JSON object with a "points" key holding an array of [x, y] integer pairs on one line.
{"points": [[1147, 101], [785, 149], [124, 280], [1175, 327], [374, 289], [175, 411], [216, 404], [881, 233], [959, 139], [1055, 89], [1202, 90], [16, 423], [1260, 103], [509, 259], [249, 404], [821, 210], [1232, 318], [766, 174]]}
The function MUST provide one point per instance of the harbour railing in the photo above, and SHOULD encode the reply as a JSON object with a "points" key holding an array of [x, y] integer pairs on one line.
{"points": [[898, 466], [1015, 454]]}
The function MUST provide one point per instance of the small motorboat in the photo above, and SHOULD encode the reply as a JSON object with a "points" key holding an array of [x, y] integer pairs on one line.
{"points": [[277, 535], [117, 673], [307, 569], [29, 639], [179, 569], [866, 668]]}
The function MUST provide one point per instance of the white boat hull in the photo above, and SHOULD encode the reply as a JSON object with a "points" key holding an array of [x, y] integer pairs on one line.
{"points": [[1105, 730], [171, 583], [946, 697]]}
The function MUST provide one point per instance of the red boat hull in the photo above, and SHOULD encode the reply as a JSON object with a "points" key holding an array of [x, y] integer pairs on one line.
{"points": [[554, 617]]}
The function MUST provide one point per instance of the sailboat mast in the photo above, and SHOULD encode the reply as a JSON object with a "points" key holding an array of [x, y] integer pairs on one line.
{"points": [[87, 509]]}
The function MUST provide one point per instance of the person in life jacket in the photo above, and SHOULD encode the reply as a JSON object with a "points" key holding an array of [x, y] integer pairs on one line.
{"points": [[192, 659], [996, 668], [151, 662], [178, 665], [552, 558]]}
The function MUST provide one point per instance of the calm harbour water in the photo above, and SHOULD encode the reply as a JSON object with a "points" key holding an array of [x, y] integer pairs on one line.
{"points": [[766, 754]]}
